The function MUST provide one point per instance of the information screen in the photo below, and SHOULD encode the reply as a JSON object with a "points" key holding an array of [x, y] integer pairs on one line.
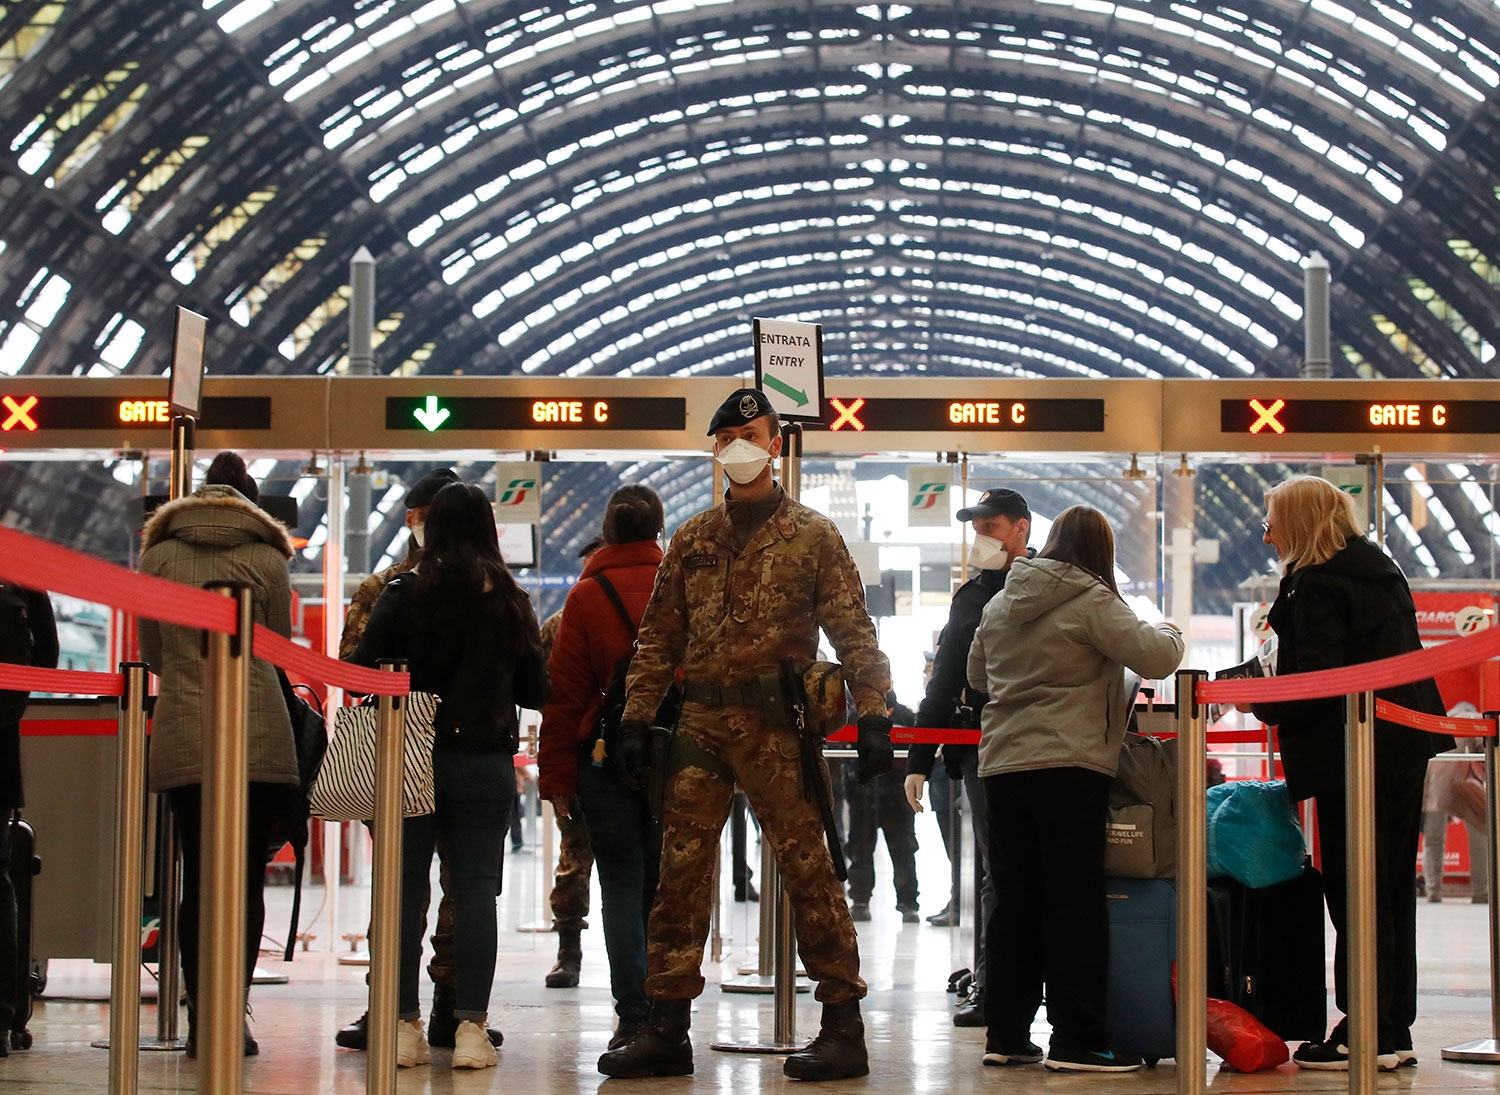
{"points": [[29, 413], [468, 412], [1269, 416], [937, 415]]}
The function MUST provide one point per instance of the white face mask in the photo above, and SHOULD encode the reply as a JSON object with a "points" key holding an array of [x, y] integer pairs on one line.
{"points": [[743, 460], [987, 553], [419, 534]]}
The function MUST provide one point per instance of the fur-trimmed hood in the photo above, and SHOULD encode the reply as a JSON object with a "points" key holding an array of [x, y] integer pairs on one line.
{"points": [[216, 515]]}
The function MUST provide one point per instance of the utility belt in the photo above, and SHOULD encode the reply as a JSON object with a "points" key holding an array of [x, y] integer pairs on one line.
{"points": [[724, 695]]}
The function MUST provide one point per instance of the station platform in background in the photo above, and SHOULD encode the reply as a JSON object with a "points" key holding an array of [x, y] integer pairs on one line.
{"points": [[553, 1037]]}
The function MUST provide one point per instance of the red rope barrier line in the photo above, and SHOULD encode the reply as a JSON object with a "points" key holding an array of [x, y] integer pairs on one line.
{"points": [[31, 678], [1434, 724], [279, 650]]}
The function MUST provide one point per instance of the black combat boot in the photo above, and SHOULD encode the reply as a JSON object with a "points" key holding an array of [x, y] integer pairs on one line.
{"points": [[564, 975], [662, 1049], [838, 1052]]}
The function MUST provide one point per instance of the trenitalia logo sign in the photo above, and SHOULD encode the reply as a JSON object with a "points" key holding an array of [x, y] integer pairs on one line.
{"points": [[518, 493], [928, 494], [515, 492], [927, 489]]}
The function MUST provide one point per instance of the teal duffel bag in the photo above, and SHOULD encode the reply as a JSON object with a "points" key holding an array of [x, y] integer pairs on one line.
{"points": [[1253, 835]]}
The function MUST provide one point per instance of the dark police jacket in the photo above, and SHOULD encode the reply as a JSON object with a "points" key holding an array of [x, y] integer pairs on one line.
{"points": [[1354, 608]]}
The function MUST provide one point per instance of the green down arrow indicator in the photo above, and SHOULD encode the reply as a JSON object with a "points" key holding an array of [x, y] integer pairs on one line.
{"points": [[432, 416], [794, 394]]}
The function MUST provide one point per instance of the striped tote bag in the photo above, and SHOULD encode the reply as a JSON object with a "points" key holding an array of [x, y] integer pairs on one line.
{"points": [[345, 787]]}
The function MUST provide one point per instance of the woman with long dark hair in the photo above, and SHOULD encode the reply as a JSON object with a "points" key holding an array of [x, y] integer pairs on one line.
{"points": [[470, 636], [592, 639], [1050, 652]]}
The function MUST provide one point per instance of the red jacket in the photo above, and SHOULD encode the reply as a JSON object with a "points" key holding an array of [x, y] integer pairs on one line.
{"points": [[590, 641]]}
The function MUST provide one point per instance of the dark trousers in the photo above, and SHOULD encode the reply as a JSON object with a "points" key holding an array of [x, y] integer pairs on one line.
{"points": [[267, 803], [1049, 928], [1398, 823], [627, 857], [875, 808], [11, 974]]}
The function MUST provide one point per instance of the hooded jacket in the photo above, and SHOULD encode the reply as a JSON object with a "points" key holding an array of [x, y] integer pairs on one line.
{"points": [[216, 534], [1354, 608], [1049, 650]]}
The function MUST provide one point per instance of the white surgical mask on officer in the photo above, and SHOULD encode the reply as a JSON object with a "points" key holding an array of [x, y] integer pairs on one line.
{"points": [[743, 460], [419, 534], [987, 553]]}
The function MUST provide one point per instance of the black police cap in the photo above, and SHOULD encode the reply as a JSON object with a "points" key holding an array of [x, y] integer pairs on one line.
{"points": [[745, 405], [999, 502], [428, 486]]}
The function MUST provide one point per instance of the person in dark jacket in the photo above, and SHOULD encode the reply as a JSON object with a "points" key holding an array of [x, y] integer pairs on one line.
{"points": [[1002, 528], [1343, 601], [471, 638], [591, 641], [32, 630]]}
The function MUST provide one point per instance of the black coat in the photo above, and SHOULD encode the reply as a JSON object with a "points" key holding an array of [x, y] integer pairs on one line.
{"points": [[44, 652], [1354, 608]]}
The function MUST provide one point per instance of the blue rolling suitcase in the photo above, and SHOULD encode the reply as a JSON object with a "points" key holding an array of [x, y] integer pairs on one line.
{"points": [[1140, 1010]]}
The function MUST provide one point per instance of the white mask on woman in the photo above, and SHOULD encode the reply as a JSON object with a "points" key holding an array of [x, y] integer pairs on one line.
{"points": [[743, 460], [988, 553]]}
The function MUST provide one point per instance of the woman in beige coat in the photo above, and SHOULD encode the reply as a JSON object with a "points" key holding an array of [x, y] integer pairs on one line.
{"points": [[218, 534]]}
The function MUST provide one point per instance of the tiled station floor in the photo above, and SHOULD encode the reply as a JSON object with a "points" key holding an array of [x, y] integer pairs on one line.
{"points": [[553, 1037]]}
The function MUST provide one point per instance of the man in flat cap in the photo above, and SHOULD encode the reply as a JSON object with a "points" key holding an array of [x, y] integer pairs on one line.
{"points": [[1002, 527], [442, 1025], [744, 587]]}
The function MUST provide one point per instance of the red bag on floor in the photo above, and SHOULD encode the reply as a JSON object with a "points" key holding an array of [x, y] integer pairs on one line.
{"points": [[1243, 1040]]}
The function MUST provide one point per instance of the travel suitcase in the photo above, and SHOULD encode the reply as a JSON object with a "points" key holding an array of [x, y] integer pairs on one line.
{"points": [[1140, 1010], [24, 866], [1266, 952]]}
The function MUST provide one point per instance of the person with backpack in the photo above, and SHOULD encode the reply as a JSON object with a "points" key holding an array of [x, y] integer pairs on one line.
{"points": [[595, 641], [28, 636], [218, 533]]}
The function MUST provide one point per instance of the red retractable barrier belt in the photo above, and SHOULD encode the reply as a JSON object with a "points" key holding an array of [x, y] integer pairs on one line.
{"points": [[1434, 724], [281, 651], [69, 728], [30, 678]]}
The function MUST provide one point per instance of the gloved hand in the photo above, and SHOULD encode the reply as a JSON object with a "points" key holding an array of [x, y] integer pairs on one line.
{"points": [[633, 754], [873, 747]]}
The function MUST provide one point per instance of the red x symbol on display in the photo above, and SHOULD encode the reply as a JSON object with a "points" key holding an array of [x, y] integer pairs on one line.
{"points": [[18, 413], [1266, 416], [847, 415]]}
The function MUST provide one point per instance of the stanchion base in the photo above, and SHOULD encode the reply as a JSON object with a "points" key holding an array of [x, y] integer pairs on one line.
{"points": [[148, 1047], [538, 927], [759, 1047], [754, 971], [757, 984], [261, 977], [1481, 1051], [355, 958]]}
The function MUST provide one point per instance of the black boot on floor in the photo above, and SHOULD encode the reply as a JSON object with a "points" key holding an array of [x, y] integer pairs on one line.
{"points": [[442, 1024], [564, 975], [662, 1049], [970, 1011], [838, 1052], [356, 1035]]}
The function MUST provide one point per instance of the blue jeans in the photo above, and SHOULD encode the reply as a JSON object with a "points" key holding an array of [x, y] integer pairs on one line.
{"points": [[627, 855], [475, 790]]}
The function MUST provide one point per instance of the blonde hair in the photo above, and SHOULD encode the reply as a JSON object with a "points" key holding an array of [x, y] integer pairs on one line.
{"points": [[1313, 518]]}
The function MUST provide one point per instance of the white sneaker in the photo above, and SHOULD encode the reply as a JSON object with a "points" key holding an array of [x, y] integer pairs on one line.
{"points": [[472, 1048], [411, 1044]]}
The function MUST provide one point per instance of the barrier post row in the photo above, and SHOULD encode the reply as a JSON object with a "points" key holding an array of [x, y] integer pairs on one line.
{"points": [[1486, 1051], [1359, 776], [1192, 885], [385, 895], [220, 1006], [130, 824], [168, 943]]}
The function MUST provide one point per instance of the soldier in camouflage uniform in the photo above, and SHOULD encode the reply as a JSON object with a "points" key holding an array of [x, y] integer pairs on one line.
{"points": [[442, 1026], [575, 859], [744, 586]]}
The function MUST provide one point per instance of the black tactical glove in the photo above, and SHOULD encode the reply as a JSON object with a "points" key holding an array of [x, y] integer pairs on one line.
{"points": [[633, 754], [873, 747]]}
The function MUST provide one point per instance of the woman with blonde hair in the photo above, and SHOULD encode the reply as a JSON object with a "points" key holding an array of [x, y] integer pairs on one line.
{"points": [[1343, 601]]}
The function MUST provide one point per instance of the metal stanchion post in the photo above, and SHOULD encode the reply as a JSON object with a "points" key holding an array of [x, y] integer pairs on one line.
{"points": [[130, 824], [220, 1006], [1359, 778], [385, 895], [168, 944], [1192, 886], [1486, 1051]]}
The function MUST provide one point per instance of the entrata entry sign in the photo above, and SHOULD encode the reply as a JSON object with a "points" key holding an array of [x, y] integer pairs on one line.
{"points": [[789, 366]]}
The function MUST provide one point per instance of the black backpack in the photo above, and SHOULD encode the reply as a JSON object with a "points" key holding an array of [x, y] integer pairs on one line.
{"points": [[15, 645], [607, 727]]}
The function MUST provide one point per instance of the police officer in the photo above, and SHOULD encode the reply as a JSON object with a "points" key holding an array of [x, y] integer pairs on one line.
{"points": [[1002, 526], [744, 586]]}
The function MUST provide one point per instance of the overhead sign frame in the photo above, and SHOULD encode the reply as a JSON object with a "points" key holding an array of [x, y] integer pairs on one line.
{"points": [[185, 374], [789, 367]]}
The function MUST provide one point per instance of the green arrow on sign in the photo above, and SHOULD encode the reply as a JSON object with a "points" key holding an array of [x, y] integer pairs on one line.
{"points": [[432, 416], [786, 389]]}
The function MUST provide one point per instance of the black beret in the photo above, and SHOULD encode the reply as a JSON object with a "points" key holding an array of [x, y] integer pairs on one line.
{"points": [[745, 405], [1000, 502], [428, 486]]}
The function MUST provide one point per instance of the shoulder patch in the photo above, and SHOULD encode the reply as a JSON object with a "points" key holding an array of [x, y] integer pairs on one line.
{"points": [[691, 562], [788, 527]]}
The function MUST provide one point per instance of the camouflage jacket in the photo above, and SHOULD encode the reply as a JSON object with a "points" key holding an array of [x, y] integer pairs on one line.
{"points": [[726, 615], [549, 633], [365, 596]]}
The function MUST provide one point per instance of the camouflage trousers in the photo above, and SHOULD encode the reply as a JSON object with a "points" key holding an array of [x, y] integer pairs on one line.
{"points": [[570, 881], [765, 762]]}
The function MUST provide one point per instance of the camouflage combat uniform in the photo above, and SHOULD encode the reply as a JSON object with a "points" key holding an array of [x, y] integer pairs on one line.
{"points": [[726, 614], [575, 859]]}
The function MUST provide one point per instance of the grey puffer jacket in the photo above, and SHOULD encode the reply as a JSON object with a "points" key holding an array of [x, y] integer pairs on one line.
{"points": [[216, 534], [1049, 651]]}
